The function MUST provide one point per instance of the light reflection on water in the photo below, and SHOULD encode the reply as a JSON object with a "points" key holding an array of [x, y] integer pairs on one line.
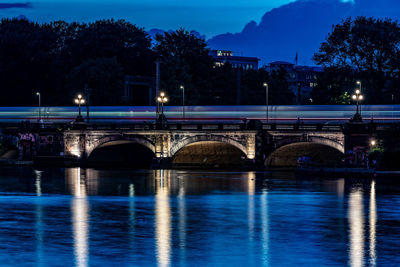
{"points": [[80, 216], [182, 222], [251, 188], [39, 219], [265, 227], [163, 217], [180, 218], [372, 225], [356, 221], [357, 226]]}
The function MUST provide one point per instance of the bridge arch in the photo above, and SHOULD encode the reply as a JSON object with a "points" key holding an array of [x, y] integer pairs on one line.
{"points": [[310, 139], [120, 138], [204, 138], [315, 149]]}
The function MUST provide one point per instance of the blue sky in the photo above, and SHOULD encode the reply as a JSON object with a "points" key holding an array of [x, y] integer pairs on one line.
{"points": [[209, 17]]}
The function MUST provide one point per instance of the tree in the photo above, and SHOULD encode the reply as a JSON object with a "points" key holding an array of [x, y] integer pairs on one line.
{"points": [[104, 76], [26, 52], [223, 86], [253, 91], [126, 42], [343, 99], [185, 60], [370, 47], [333, 84], [387, 149], [39, 57], [279, 93]]}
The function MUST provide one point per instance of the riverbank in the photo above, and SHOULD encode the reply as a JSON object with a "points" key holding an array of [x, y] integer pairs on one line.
{"points": [[346, 172], [10, 159]]}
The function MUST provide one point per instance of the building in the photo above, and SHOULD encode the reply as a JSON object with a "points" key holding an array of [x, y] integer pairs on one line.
{"points": [[301, 79], [139, 90], [224, 56]]}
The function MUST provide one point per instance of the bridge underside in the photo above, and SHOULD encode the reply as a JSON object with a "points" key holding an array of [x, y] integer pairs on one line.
{"points": [[288, 155], [121, 153], [209, 148], [209, 154]]}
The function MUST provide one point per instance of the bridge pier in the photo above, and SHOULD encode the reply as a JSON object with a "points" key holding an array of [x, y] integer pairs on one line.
{"points": [[165, 144], [358, 136], [256, 143], [161, 163]]}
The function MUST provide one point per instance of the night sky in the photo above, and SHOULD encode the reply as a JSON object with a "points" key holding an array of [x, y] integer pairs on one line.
{"points": [[268, 29], [209, 17]]}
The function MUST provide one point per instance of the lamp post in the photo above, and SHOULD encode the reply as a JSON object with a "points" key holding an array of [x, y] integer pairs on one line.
{"points": [[162, 99], [87, 94], [266, 100], [183, 101], [358, 97], [79, 101], [39, 111], [359, 88]]}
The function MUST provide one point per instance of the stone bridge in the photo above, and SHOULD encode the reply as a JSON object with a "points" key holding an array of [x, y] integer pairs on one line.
{"points": [[165, 144], [277, 139]]}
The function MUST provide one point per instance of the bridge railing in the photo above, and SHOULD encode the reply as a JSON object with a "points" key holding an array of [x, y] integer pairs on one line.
{"points": [[218, 127], [187, 126], [302, 127]]}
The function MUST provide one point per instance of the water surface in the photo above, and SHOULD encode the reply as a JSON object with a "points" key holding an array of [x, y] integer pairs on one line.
{"points": [[89, 217]]}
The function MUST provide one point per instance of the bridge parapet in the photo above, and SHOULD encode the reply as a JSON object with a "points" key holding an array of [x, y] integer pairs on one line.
{"points": [[255, 144], [276, 139], [163, 143]]}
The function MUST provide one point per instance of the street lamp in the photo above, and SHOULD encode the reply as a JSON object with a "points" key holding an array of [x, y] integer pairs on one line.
{"points": [[183, 101], [162, 99], [359, 88], [40, 117], [358, 97], [266, 100], [79, 101]]}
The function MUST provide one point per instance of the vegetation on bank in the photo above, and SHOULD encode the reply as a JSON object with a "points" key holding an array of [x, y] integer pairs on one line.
{"points": [[1, 145], [387, 151], [364, 49], [7, 142], [61, 59]]}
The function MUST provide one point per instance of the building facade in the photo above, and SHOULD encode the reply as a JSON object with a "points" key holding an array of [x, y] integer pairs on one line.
{"points": [[222, 57], [301, 79]]}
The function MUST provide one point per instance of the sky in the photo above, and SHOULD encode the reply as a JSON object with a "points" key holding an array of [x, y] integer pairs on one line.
{"points": [[267, 29], [209, 17]]}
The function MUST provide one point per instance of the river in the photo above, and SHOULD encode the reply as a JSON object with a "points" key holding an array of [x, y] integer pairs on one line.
{"points": [[90, 217]]}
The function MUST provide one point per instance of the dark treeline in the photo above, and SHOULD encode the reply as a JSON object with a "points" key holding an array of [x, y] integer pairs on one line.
{"points": [[361, 49], [60, 59]]}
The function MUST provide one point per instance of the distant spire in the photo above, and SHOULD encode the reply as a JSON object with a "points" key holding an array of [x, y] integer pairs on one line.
{"points": [[296, 58]]}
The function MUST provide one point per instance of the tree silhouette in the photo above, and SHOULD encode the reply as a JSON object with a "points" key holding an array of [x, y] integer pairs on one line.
{"points": [[370, 47], [185, 60]]}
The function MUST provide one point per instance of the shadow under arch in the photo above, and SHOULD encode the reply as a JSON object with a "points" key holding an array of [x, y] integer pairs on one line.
{"points": [[287, 155], [207, 138], [120, 138], [126, 153], [209, 154], [310, 139]]}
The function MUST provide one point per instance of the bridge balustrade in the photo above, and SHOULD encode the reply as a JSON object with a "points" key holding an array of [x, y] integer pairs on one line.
{"points": [[195, 127]]}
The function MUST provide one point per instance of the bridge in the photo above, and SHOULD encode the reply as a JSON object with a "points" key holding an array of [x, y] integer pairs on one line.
{"points": [[177, 144]]}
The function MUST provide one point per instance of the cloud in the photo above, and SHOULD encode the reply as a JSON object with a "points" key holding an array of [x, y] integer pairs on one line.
{"points": [[15, 5], [299, 27]]}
